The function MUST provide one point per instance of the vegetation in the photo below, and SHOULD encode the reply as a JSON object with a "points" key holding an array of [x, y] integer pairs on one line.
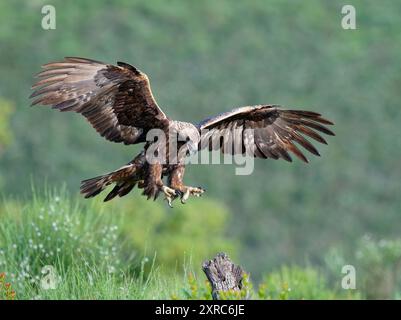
{"points": [[296, 223], [89, 246], [378, 263], [54, 247]]}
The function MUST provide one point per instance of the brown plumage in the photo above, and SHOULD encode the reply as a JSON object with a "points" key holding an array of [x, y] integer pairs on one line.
{"points": [[118, 103], [273, 131]]}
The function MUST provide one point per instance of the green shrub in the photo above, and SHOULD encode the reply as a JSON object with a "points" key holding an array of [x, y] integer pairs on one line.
{"points": [[196, 289], [193, 289], [377, 265], [186, 234], [288, 283], [87, 249], [299, 283]]}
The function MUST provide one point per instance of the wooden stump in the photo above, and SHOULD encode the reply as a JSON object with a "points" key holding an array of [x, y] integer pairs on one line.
{"points": [[222, 274]]}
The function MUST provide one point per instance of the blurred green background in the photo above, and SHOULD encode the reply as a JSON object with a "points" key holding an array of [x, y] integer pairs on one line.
{"points": [[206, 57]]}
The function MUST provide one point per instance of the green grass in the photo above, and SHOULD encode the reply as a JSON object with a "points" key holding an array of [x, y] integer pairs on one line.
{"points": [[55, 246], [84, 245]]}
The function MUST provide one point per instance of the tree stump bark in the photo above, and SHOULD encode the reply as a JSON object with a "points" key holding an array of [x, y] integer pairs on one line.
{"points": [[222, 274]]}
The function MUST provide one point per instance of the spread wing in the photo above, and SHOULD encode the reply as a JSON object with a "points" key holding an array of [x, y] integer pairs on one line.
{"points": [[264, 131], [116, 100]]}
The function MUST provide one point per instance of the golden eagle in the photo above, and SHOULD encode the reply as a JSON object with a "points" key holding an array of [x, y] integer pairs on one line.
{"points": [[117, 100]]}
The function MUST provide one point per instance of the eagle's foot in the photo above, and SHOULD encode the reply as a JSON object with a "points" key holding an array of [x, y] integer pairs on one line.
{"points": [[190, 191], [169, 194]]}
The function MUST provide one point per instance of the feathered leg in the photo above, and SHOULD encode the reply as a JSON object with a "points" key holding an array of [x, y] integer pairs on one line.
{"points": [[175, 181], [153, 184]]}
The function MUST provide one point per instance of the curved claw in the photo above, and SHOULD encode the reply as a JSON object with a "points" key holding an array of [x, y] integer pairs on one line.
{"points": [[169, 201], [191, 191], [185, 196], [169, 194]]}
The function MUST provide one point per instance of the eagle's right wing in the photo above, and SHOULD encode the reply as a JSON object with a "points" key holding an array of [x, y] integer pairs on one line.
{"points": [[116, 100], [264, 131]]}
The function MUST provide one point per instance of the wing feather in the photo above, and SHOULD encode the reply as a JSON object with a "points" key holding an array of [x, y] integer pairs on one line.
{"points": [[116, 100], [266, 131]]}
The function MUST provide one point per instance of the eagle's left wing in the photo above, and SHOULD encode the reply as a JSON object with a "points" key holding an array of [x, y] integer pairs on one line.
{"points": [[264, 131]]}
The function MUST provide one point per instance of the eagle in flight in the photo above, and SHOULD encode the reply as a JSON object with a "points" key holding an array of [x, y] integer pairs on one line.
{"points": [[117, 101]]}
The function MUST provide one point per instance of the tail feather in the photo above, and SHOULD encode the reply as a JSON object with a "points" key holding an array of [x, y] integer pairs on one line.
{"points": [[125, 179], [112, 193], [127, 189], [92, 187], [120, 190]]}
